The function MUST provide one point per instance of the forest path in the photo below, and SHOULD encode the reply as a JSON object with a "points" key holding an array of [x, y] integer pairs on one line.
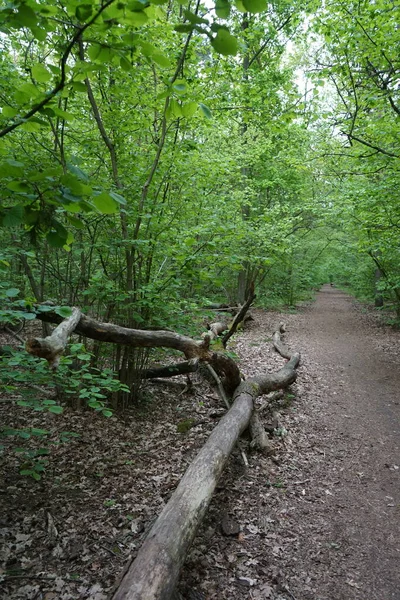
{"points": [[359, 412]]}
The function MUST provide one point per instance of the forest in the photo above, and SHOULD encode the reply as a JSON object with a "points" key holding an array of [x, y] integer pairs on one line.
{"points": [[165, 165]]}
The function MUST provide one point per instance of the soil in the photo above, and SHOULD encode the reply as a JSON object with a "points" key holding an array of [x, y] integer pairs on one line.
{"points": [[317, 520]]}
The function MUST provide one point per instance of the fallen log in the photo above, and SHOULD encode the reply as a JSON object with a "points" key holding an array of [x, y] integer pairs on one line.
{"points": [[52, 347], [278, 344], [217, 328], [182, 368], [226, 368], [219, 307], [154, 572], [143, 338]]}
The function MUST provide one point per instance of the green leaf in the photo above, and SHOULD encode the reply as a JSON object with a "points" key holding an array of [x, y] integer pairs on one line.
{"points": [[63, 311], [189, 109], [29, 316], [12, 292], [255, 6], [180, 86], [94, 51], [18, 186], [205, 110], [26, 16], [240, 7], [118, 198], [57, 410], [183, 28], [78, 86], [40, 73], [125, 64], [62, 114], [105, 204], [161, 60], [222, 9], [78, 172], [174, 109], [9, 112], [83, 11], [76, 222], [225, 43], [194, 19], [32, 126], [69, 240], [14, 216], [107, 413], [136, 18], [56, 238], [40, 34]]}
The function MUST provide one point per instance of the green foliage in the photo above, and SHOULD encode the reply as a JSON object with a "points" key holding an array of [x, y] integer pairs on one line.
{"points": [[32, 460], [84, 382]]}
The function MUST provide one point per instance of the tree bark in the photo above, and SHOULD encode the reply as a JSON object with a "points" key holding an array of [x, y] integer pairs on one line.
{"points": [[182, 368], [52, 347], [154, 573]]}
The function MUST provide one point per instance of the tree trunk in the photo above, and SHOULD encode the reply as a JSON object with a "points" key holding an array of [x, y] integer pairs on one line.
{"points": [[378, 293]]}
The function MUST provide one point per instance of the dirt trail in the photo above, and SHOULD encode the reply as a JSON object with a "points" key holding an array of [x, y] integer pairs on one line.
{"points": [[360, 414]]}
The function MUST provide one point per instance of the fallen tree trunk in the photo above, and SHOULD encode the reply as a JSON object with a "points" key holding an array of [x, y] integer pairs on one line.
{"points": [[143, 338], [52, 347], [219, 307], [182, 368], [154, 573], [226, 368], [215, 329], [156, 568]]}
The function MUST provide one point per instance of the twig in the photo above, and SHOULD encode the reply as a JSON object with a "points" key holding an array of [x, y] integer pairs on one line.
{"points": [[221, 390], [108, 550], [289, 592], [14, 335], [238, 319], [45, 577]]}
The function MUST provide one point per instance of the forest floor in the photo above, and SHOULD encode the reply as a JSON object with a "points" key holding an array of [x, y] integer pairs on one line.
{"points": [[318, 520]]}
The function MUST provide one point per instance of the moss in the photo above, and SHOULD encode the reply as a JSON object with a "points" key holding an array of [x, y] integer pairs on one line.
{"points": [[185, 425]]}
